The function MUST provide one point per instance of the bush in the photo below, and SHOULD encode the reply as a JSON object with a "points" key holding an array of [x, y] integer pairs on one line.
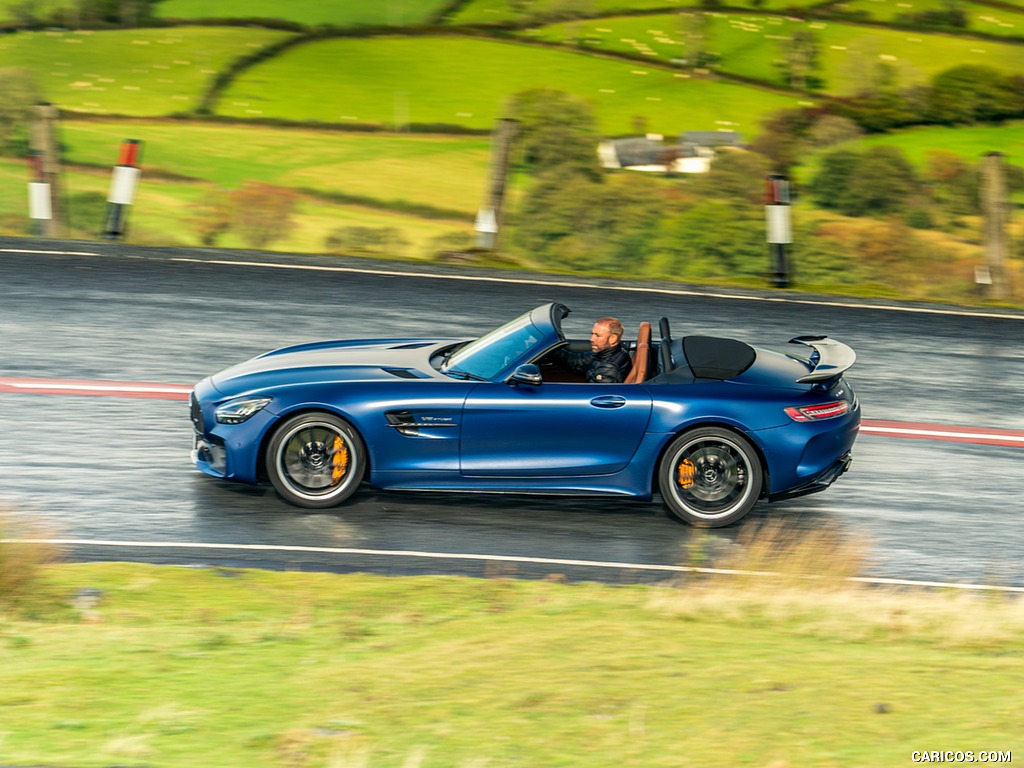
{"points": [[879, 181], [920, 218], [262, 214], [447, 246], [22, 557], [384, 241]]}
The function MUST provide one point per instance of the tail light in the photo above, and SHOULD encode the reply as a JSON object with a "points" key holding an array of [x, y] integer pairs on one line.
{"points": [[818, 412]]}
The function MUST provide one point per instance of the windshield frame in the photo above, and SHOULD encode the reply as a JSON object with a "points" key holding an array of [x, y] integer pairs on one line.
{"points": [[493, 354]]}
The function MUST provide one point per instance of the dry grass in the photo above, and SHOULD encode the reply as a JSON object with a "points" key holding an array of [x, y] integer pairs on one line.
{"points": [[22, 557], [803, 581]]}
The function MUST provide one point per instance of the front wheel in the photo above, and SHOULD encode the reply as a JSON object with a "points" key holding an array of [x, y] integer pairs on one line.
{"points": [[315, 460], [710, 477]]}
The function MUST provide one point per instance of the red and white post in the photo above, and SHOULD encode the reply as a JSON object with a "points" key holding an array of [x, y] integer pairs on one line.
{"points": [[122, 187], [779, 225], [40, 207]]}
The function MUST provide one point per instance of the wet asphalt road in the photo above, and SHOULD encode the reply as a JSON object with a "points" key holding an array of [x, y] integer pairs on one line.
{"points": [[117, 469]]}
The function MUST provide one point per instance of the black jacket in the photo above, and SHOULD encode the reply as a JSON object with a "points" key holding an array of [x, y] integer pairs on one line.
{"points": [[609, 366]]}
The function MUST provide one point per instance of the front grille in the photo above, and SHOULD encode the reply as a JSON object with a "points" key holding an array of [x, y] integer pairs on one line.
{"points": [[196, 414]]}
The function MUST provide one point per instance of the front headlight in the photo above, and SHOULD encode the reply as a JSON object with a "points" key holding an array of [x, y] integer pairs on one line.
{"points": [[241, 410]]}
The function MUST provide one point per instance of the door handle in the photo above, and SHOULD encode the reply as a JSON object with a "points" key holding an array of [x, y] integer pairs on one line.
{"points": [[608, 401]]}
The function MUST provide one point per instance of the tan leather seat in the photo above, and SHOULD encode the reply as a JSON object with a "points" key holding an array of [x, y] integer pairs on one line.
{"points": [[638, 373]]}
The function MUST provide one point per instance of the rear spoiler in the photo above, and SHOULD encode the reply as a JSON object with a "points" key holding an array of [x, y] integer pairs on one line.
{"points": [[829, 360]]}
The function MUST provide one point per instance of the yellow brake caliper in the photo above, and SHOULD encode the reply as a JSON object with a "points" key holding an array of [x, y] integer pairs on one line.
{"points": [[686, 472], [340, 461]]}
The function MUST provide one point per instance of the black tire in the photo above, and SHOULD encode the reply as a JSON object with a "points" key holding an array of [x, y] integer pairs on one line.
{"points": [[710, 477], [315, 460]]}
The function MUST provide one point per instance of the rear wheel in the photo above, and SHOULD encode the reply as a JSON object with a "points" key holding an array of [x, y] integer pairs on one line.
{"points": [[315, 460], [710, 477]]}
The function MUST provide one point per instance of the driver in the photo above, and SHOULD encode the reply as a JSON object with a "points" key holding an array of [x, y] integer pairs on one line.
{"points": [[607, 362]]}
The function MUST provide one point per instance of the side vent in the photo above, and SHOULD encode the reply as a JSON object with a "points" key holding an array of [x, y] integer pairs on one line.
{"points": [[403, 422]]}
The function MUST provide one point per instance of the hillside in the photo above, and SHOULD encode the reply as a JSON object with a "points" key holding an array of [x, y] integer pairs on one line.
{"points": [[377, 115]]}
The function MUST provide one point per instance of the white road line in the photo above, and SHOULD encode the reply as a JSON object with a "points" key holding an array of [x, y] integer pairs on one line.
{"points": [[488, 558], [622, 288], [48, 253], [559, 284]]}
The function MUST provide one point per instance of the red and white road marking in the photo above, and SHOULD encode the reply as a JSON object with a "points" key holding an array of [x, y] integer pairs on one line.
{"points": [[979, 435], [96, 388], [157, 391]]}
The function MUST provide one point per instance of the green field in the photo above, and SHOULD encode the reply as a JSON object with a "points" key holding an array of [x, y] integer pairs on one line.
{"points": [[969, 142], [982, 18], [162, 209], [750, 46], [465, 81], [445, 172], [141, 72], [311, 12], [497, 11], [191, 667]]}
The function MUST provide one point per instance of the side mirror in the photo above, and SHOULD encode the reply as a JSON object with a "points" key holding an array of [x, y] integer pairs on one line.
{"points": [[526, 374]]}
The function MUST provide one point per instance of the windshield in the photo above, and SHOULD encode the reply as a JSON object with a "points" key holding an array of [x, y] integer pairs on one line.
{"points": [[494, 352]]}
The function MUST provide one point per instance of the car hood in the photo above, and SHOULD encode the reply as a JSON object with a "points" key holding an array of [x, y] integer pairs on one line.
{"points": [[332, 361]]}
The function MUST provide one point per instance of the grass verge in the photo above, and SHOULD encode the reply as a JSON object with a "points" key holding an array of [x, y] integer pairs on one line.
{"points": [[200, 667]]}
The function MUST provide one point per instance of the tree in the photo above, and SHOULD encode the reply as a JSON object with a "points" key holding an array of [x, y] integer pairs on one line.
{"points": [[782, 140], [834, 129], [884, 183], [263, 213], [97, 13], [24, 13], [801, 59], [880, 181], [969, 93], [556, 128], [521, 7], [19, 93], [570, 220], [954, 181], [735, 176], [830, 183], [696, 29]]}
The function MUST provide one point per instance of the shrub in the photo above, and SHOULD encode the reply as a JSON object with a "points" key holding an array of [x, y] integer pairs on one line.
{"points": [[377, 240], [920, 218], [262, 214], [22, 557], [877, 182], [446, 245]]}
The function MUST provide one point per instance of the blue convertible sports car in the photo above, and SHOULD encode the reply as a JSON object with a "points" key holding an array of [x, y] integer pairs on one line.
{"points": [[713, 424]]}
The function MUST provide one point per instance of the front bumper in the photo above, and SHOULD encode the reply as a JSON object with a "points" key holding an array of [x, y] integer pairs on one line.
{"points": [[210, 456], [227, 451]]}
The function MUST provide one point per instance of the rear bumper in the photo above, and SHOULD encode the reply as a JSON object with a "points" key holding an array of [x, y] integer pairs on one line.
{"points": [[819, 483]]}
